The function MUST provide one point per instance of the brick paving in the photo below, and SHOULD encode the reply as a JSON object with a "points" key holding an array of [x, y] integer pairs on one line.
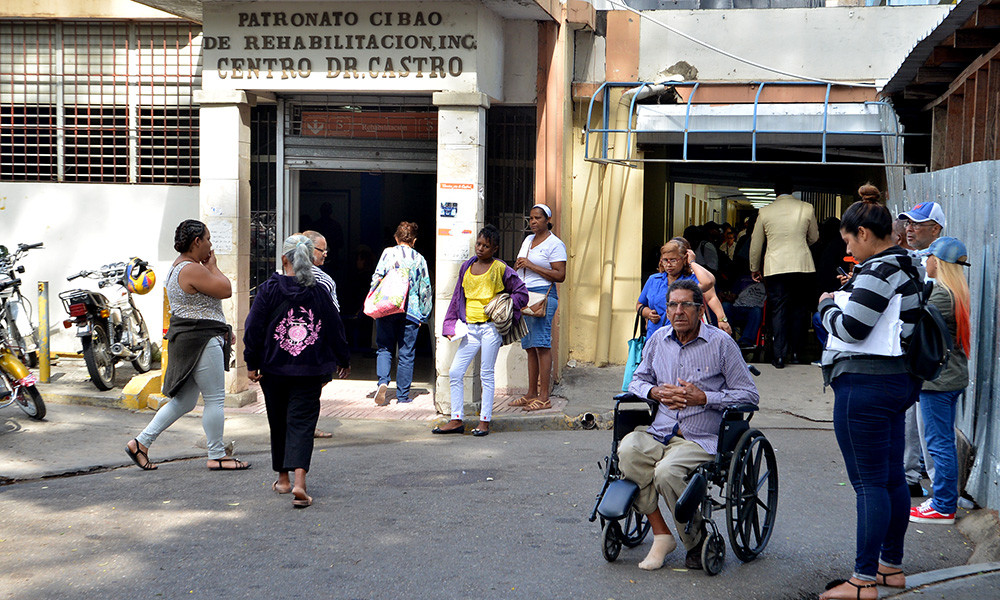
{"points": [[355, 399]]}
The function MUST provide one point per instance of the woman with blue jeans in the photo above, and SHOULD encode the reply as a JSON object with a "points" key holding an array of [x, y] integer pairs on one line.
{"points": [[872, 390], [541, 263], [398, 333], [480, 280], [938, 397]]}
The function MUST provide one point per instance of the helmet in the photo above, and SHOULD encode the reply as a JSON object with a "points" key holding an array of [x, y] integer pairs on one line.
{"points": [[139, 278]]}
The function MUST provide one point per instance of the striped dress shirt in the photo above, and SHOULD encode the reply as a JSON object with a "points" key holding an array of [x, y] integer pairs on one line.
{"points": [[713, 362], [327, 283]]}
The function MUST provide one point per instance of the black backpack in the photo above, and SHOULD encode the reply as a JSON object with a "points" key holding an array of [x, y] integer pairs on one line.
{"points": [[929, 348]]}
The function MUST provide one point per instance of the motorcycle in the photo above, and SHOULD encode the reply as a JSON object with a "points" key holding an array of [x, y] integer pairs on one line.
{"points": [[17, 383], [16, 312], [111, 331]]}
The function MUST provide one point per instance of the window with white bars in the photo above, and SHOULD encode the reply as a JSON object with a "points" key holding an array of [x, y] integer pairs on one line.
{"points": [[99, 101]]}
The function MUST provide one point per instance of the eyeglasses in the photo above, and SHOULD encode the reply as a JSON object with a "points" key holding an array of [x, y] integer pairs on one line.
{"points": [[322, 251], [912, 225], [671, 261], [684, 305]]}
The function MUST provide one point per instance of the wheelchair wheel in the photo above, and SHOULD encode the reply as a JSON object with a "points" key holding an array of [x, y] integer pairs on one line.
{"points": [[751, 495], [636, 528], [713, 553], [611, 541]]}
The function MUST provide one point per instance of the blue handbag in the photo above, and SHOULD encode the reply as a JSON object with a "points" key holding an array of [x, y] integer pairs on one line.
{"points": [[634, 349]]}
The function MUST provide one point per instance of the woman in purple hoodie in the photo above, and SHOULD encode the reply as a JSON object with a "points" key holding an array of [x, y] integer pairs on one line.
{"points": [[293, 343], [480, 279]]}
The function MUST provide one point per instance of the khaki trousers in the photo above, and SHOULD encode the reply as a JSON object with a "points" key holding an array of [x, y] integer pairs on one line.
{"points": [[659, 470]]}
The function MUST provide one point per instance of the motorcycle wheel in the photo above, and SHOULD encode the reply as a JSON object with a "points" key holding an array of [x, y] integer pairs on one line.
{"points": [[31, 403], [144, 361], [97, 355]]}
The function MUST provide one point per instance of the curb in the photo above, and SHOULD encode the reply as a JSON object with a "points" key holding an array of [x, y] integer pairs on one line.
{"points": [[921, 583]]}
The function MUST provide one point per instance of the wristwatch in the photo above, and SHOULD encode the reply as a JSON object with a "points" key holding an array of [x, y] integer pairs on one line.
{"points": [[724, 319]]}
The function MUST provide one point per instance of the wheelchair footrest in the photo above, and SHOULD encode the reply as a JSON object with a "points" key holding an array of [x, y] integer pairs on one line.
{"points": [[618, 499]]}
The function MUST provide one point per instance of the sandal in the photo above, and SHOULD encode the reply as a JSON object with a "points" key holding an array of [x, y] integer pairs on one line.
{"points": [[274, 486], [522, 401], [145, 466], [884, 581], [857, 586], [238, 465], [302, 499], [538, 404]]}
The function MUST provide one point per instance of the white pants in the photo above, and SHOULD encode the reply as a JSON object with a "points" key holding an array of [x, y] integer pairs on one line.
{"points": [[481, 335]]}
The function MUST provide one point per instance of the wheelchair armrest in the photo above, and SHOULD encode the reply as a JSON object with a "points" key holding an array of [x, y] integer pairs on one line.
{"points": [[628, 397], [743, 407]]}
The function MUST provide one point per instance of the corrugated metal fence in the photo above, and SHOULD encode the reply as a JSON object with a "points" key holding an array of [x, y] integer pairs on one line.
{"points": [[970, 196]]}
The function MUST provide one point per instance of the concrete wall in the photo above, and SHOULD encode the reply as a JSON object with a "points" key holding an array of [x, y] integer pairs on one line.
{"points": [[87, 225], [520, 61], [80, 9], [869, 43]]}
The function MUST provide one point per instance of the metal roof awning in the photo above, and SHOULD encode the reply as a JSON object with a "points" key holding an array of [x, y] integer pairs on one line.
{"points": [[818, 127]]}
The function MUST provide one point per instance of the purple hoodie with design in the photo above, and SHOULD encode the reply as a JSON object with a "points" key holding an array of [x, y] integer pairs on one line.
{"points": [[512, 284]]}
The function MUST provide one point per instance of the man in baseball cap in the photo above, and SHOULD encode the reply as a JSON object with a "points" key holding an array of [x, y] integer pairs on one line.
{"points": [[924, 223]]}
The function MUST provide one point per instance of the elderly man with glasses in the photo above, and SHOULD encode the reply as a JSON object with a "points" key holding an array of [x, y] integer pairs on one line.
{"points": [[327, 283], [694, 371]]}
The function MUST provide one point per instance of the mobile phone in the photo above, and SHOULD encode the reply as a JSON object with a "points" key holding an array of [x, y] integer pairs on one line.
{"points": [[842, 271]]}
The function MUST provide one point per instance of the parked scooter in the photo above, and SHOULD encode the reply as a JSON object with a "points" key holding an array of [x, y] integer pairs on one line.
{"points": [[17, 383], [111, 331], [16, 311]]}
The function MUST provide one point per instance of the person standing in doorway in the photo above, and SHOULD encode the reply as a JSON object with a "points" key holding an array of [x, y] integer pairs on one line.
{"points": [[320, 252], [921, 225], [789, 227], [937, 398], [398, 333], [200, 346], [541, 264]]}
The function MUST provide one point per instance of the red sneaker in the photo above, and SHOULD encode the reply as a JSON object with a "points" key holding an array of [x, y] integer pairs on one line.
{"points": [[925, 514]]}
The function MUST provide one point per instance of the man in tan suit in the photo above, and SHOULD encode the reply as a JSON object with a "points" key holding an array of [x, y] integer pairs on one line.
{"points": [[789, 227]]}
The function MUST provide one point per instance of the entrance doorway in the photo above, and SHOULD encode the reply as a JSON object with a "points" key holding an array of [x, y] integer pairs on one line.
{"points": [[358, 212]]}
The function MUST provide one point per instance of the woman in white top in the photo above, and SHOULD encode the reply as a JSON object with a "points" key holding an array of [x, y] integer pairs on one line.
{"points": [[541, 263]]}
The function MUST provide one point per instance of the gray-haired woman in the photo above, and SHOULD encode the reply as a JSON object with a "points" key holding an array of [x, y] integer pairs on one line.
{"points": [[294, 341]]}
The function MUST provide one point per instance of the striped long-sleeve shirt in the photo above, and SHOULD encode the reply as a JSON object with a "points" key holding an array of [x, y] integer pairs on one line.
{"points": [[875, 282], [712, 362]]}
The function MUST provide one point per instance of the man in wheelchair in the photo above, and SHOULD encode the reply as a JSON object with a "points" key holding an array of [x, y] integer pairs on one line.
{"points": [[694, 371]]}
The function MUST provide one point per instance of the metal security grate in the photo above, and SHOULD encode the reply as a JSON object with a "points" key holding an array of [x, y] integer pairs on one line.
{"points": [[510, 173], [99, 101], [263, 193]]}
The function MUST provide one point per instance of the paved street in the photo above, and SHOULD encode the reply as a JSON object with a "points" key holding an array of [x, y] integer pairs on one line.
{"points": [[402, 514]]}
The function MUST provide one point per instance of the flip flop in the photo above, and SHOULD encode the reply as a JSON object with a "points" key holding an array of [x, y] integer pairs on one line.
{"points": [[274, 486], [318, 433], [238, 465], [147, 466], [302, 499]]}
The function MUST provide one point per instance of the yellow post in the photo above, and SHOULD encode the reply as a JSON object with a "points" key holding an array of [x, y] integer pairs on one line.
{"points": [[42, 340], [166, 325]]}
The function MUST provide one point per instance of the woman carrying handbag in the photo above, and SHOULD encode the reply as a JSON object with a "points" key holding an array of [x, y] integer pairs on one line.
{"points": [[541, 263]]}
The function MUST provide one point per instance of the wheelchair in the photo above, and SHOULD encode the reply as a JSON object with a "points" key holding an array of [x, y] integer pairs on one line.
{"points": [[744, 471]]}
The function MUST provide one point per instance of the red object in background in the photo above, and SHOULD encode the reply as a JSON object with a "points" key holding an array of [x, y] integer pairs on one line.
{"points": [[382, 126]]}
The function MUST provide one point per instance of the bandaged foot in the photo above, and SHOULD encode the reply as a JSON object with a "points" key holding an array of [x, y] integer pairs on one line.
{"points": [[663, 544]]}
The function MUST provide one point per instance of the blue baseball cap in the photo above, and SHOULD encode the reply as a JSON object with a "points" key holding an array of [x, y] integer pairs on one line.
{"points": [[950, 249], [925, 211]]}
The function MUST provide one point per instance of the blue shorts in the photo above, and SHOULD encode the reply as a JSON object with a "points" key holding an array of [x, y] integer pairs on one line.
{"points": [[540, 328]]}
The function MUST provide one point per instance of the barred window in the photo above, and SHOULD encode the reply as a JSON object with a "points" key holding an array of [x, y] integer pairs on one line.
{"points": [[99, 101]]}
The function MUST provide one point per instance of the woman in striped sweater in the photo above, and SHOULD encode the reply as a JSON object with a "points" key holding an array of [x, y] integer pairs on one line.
{"points": [[872, 393]]}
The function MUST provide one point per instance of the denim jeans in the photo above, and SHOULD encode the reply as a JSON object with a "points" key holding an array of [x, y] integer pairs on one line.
{"points": [[938, 409], [749, 318], [868, 416], [392, 332], [481, 335], [821, 333], [209, 378]]}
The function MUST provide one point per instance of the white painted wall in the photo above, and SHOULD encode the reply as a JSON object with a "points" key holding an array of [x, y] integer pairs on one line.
{"points": [[490, 54], [869, 42], [520, 62], [87, 225]]}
